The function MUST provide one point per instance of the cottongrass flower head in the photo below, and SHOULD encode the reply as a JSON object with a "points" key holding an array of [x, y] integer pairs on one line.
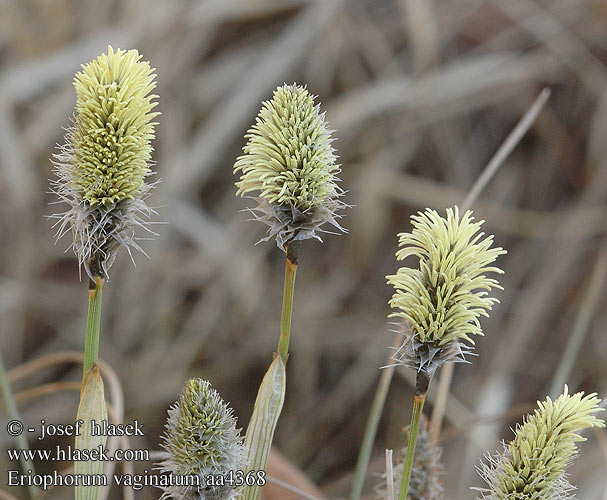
{"points": [[103, 166], [442, 299], [202, 440], [290, 162], [532, 466]]}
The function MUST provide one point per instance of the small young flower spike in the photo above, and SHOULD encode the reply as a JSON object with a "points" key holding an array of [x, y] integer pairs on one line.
{"points": [[426, 472], [444, 297], [289, 160], [103, 166], [201, 439], [532, 466]]}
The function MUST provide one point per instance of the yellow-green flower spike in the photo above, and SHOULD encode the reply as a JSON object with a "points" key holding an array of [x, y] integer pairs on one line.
{"points": [[103, 166], [290, 162], [201, 440], [443, 297], [532, 466], [114, 127], [289, 158]]}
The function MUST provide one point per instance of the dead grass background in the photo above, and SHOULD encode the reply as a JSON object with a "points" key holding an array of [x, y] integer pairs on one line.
{"points": [[421, 94]]}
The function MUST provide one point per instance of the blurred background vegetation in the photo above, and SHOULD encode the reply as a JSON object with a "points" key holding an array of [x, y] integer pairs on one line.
{"points": [[421, 93]]}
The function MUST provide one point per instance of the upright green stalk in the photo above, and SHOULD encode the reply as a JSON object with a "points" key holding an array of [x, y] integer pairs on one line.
{"points": [[271, 394], [287, 300], [13, 413], [418, 404], [93, 322]]}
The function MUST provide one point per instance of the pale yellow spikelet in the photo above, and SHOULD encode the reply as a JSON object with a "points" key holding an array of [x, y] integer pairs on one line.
{"points": [[103, 166], [289, 161], [443, 297], [533, 465], [114, 127]]}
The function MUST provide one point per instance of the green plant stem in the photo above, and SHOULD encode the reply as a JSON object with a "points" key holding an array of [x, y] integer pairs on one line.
{"points": [[366, 447], [271, 394], [287, 300], [93, 322], [13, 413], [418, 405]]}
